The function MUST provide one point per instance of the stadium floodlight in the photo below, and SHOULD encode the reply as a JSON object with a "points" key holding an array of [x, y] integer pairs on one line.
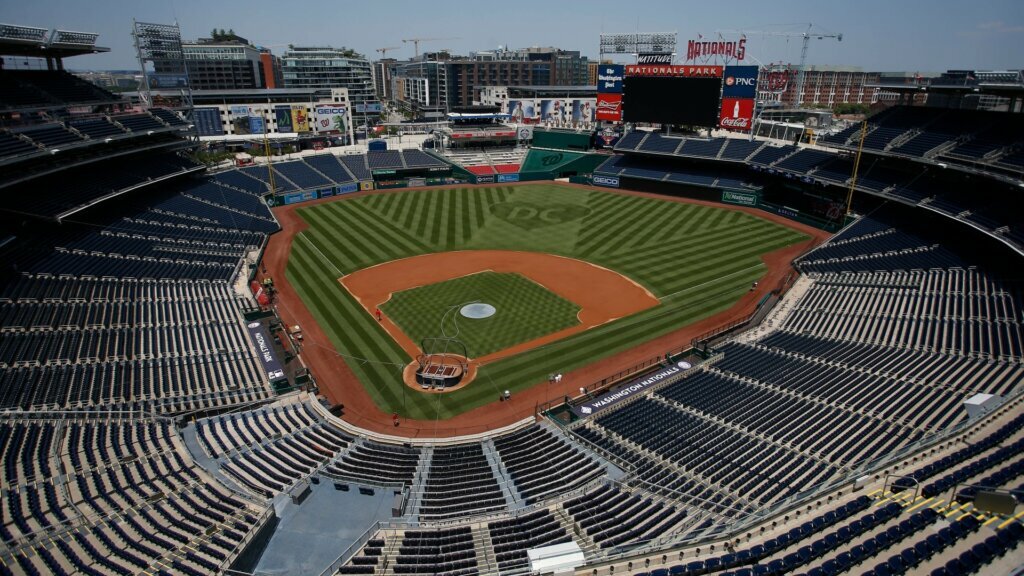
{"points": [[639, 43], [71, 38], [28, 34]]}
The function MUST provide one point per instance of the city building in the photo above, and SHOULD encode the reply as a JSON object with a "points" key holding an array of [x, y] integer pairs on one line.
{"points": [[420, 88], [383, 70], [323, 68], [227, 63]]}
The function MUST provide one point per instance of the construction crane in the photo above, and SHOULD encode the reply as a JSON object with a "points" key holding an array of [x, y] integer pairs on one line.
{"points": [[807, 35], [416, 42], [384, 51]]}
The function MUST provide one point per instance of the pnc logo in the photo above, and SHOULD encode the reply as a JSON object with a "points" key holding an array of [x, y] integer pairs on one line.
{"points": [[529, 216]]}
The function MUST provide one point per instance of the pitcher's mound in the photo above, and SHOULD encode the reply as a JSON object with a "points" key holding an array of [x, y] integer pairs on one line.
{"points": [[477, 310]]}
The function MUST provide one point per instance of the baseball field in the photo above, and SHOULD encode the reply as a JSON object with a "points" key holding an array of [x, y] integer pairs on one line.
{"points": [[694, 260]]}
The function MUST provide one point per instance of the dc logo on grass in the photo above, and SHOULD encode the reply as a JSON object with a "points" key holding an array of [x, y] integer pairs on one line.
{"points": [[529, 216]]}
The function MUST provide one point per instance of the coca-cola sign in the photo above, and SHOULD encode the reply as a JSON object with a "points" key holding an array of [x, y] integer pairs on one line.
{"points": [[678, 70], [737, 114], [654, 59]]}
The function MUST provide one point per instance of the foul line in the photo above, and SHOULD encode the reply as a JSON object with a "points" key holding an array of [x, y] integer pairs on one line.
{"points": [[322, 255], [711, 281]]}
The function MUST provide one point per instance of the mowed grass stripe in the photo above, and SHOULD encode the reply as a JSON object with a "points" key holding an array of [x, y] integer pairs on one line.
{"points": [[662, 225], [468, 210], [388, 237], [743, 249], [672, 249], [619, 217], [340, 235], [480, 206], [348, 250], [453, 219], [417, 223], [393, 206], [410, 209]]}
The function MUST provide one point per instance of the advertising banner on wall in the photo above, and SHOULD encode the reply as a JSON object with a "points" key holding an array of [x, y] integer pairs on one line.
{"points": [[207, 121], [522, 111], [328, 118], [283, 116], [240, 119], [676, 70], [659, 58], [737, 114], [261, 341], [583, 111], [300, 118], [256, 124], [609, 78], [741, 198], [609, 107], [740, 82]]}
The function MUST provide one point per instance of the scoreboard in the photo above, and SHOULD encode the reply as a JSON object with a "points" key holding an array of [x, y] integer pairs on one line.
{"points": [[671, 100]]}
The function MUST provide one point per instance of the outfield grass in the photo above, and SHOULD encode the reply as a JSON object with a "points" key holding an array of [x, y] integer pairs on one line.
{"points": [[698, 260], [524, 310]]}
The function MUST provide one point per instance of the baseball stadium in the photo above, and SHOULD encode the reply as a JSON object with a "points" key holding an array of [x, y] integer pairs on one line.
{"points": [[610, 349]]}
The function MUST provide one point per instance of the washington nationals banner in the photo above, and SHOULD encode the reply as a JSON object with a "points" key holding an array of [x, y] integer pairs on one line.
{"points": [[261, 341], [669, 373]]}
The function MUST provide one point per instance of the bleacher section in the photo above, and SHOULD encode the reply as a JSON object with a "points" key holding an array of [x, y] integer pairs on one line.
{"points": [[488, 161], [118, 498], [649, 168], [970, 136], [330, 167], [41, 89], [73, 188]]}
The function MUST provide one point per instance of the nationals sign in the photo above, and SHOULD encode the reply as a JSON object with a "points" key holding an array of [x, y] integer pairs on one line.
{"points": [[678, 70], [737, 114], [727, 49], [609, 107]]}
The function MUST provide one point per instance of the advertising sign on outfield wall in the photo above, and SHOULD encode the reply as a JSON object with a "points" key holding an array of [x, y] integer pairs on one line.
{"points": [[508, 177], [743, 199], [609, 181]]}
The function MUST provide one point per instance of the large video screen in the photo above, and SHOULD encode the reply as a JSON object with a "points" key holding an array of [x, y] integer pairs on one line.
{"points": [[663, 100]]}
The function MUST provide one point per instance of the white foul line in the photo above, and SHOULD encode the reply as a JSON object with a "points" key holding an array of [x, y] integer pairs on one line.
{"points": [[711, 281], [314, 246]]}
